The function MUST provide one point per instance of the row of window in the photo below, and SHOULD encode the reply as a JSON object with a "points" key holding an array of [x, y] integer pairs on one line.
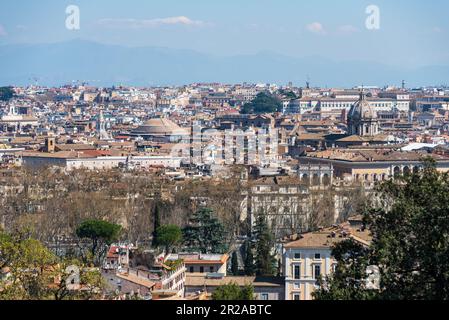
{"points": [[380, 177], [297, 272], [180, 277], [179, 287], [297, 256], [211, 269], [177, 279]]}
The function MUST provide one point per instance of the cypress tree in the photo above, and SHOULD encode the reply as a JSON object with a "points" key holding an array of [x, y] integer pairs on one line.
{"points": [[265, 260], [157, 224], [234, 264], [250, 268]]}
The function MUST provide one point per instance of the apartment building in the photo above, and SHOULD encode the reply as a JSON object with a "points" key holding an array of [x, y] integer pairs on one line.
{"points": [[77, 160], [330, 104], [168, 276], [401, 98], [265, 288], [203, 263], [309, 257], [281, 199], [372, 164]]}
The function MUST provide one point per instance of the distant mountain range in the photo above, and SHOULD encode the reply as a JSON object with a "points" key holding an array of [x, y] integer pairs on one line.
{"points": [[106, 65]]}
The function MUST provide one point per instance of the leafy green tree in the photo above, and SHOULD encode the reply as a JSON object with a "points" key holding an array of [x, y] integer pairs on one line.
{"points": [[288, 94], [88, 283], [410, 246], [6, 93], [265, 260], [232, 291], [250, 268], [101, 233], [234, 264], [92, 284], [169, 236], [29, 263], [204, 233], [157, 224], [348, 282], [262, 103], [248, 292], [6, 249], [36, 273]]}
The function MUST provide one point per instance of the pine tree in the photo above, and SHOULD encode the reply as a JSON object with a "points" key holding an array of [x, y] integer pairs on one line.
{"points": [[234, 264], [205, 233], [250, 268], [265, 260], [101, 234], [169, 236]]}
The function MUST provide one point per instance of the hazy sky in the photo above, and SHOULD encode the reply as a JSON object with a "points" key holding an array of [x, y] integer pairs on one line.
{"points": [[412, 33]]}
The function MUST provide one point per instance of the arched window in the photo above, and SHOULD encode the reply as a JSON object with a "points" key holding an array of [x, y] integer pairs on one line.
{"points": [[407, 171], [397, 171]]}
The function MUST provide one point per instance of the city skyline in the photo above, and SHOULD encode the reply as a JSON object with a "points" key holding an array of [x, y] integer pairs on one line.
{"points": [[114, 65], [224, 151]]}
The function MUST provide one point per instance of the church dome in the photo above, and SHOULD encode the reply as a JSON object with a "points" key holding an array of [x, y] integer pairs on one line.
{"points": [[362, 118], [160, 127], [362, 110]]}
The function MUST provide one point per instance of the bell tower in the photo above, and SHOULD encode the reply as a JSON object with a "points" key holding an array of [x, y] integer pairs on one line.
{"points": [[50, 144]]}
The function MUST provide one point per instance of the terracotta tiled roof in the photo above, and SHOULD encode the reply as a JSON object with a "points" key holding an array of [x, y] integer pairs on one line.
{"points": [[113, 252], [197, 280], [60, 155], [137, 280], [328, 237], [310, 136], [74, 147], [362, 155]]}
